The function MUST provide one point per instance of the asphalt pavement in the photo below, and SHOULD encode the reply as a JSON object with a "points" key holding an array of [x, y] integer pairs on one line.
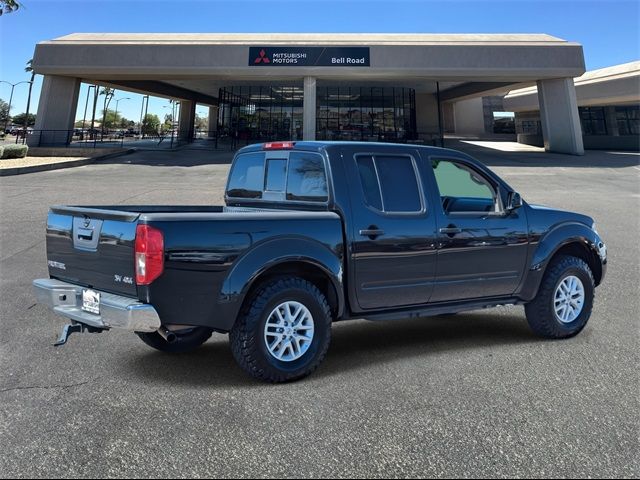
{"points": [[474, 395]]}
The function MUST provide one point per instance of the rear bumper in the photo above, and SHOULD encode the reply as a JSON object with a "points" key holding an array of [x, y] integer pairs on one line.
{"points": [[116, 311]]}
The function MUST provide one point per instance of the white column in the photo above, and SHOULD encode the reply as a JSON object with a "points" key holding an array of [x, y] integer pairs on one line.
{"points": [[559, 116], [187, 120], [309, 109], [56, 111]]}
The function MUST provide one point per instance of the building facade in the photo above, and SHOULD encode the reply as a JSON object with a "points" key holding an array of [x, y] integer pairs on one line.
{"points": [[608, 107], [373, 87]]}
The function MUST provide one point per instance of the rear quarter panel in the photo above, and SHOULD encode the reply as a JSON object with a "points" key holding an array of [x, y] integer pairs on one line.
{"points": [[211, 259]]}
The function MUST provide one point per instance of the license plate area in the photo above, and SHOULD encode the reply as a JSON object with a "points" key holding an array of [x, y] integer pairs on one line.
{"points": [[91, 301]]}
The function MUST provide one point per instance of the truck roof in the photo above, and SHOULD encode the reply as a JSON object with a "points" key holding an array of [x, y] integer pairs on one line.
{"points": [[317, 145]]}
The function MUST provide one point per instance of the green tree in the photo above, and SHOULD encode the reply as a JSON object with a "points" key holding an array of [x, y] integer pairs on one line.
{"points": [[4, 112], [8, 6], [150, 124], [111, 120], [21, 119]]}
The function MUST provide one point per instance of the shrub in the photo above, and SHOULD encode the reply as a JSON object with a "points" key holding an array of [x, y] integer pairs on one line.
{"points": [[15, 151], [1, 150]]}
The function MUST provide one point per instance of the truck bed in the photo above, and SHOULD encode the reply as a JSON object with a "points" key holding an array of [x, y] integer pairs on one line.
{"points": [[93, 246]]}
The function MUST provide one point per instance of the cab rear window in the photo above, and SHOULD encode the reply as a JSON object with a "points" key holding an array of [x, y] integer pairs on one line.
{"points": [[246, 179], [293, 176]]}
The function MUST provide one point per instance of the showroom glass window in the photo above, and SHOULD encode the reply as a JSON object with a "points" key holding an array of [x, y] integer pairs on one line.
{"points": [[592, 120], [628, 118]]}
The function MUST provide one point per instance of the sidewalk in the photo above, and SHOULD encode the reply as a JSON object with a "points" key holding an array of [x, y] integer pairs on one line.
{"points": [[18, 166]]}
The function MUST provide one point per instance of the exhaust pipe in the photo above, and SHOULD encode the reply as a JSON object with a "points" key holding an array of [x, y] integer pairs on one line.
{"points": [[167, 334]]}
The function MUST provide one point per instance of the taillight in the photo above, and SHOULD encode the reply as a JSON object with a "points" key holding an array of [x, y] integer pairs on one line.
{"points": [[149, 254], [278, 145]]}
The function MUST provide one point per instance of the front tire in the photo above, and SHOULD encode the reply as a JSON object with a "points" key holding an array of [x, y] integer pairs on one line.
{"points": [[284, 332], [186, 340], [564, 301]]}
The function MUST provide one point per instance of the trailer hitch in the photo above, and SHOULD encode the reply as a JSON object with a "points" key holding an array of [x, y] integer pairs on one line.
{"points": [[74, 327]]}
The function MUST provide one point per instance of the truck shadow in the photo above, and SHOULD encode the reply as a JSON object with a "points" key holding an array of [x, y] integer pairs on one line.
{"points": [[356, 345]]}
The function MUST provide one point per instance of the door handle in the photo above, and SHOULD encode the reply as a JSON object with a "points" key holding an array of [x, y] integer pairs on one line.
{"points": [[371, 232], [450, 230]]}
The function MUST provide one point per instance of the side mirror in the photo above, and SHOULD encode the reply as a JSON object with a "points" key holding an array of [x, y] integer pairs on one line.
{"points": [[514, 201]]}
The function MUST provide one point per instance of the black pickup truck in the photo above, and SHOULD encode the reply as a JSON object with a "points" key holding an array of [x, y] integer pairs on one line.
{"points": [[318, 232]]}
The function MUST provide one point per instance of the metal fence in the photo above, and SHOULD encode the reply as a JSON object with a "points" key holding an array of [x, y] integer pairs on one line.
{"points": [[220, 140], [96, 139]]}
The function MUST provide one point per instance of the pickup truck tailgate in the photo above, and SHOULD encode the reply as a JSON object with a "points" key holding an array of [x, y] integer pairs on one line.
{"points": [[93, 247]]}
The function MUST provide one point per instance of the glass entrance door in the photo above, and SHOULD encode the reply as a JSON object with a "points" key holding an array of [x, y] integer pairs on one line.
{"points": [[260, 113]]}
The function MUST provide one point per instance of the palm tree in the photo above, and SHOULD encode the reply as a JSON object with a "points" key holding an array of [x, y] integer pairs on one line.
{"points": [[29, 69], [8, 6], [108, 95]]}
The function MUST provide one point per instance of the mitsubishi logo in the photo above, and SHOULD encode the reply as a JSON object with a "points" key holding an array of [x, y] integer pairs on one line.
{"points": [[262, 58]]}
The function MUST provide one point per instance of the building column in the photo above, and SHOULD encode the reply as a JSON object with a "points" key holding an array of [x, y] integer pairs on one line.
{"points": [[309, 109], [56, 111], [187, 120], [559, 116], [213, 121]]}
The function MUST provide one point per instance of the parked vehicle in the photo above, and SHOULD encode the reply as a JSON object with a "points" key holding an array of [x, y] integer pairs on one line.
{"points": [[318, 232]]}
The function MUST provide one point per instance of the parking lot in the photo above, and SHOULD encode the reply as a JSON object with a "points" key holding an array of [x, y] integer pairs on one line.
{"points": [[472, 395]]}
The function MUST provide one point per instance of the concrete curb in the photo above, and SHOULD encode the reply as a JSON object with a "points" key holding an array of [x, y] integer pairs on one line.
{"points": [[5, 172]]}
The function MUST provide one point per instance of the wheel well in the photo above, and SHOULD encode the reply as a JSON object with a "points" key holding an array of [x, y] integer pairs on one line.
{"points": [[304, 270], [582, 251]]}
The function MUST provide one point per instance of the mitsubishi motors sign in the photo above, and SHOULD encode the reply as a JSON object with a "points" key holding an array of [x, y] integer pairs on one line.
{"points": [[309, 56]]}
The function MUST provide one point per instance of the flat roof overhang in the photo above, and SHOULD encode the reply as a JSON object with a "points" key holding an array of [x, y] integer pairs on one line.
{"points": [[616, 85], [200, 63]]}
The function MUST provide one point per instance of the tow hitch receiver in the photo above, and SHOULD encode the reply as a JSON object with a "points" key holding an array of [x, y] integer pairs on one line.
{"points": [[74, 327]]}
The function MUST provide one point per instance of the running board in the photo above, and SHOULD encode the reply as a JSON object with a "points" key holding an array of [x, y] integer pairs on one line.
{"points": [[439, 309]]}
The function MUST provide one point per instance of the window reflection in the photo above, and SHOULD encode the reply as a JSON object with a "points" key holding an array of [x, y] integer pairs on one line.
{"points": [[262, 113]]}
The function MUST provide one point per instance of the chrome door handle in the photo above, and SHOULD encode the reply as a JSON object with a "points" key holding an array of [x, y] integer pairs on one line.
{"points": [[371, 232], [450, 230]]}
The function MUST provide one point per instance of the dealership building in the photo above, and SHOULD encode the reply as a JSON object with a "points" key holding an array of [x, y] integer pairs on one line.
{"points": [[372, 87]]}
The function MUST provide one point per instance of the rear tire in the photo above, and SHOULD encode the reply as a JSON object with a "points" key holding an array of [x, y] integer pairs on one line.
{"points": [[564, 301], [284, 331], [187, 340]]}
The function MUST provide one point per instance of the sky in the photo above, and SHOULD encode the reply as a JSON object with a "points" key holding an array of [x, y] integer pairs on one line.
{"points": [[607, 29]]}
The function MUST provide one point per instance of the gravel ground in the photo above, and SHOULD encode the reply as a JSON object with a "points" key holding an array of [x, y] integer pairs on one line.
{"points": [[33, 161], [475, 395]]}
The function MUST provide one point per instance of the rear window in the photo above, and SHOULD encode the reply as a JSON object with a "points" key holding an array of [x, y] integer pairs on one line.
{"points": [[293, 176], [246, 179], [276, 174]]}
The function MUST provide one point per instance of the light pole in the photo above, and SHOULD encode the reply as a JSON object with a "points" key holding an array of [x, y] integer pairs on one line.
{"points": [[172, 105], [144, 99], [86, 104], [201, 115], [116, 117], [173, 120], [123, 98], [13, 85]]}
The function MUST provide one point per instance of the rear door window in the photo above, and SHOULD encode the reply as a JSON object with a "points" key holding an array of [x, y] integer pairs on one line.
{"points": [[390, 183], [307, 179]]}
